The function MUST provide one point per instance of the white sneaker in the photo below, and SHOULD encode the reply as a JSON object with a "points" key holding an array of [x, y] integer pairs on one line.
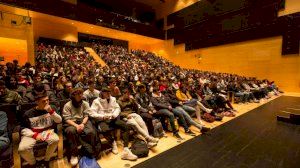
{"points": [[114, 148], [151, 144], [209, 110], [152, 139], [128, 155], [74, 161]]}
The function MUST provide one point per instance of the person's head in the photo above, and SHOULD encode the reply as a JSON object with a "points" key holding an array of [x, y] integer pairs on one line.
{"points": [[13, 81], [27, 65], [91, 84], [63, 79], [19, 74], [37, 78], [77, 95], [2, 88], [142, 88], [41, 99], [105, 93], [15, 62], [112, 83], [156, 90], [68, 87], [126, 93]]}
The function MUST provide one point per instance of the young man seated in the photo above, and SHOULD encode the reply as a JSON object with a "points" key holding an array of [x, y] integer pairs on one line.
{"points": [[79, 130], [164, 109], [106, 112], [7, 96], [37, 126], [182, 112], [186, 99], [65, 94], [128, 113], [145, 107], [91, 93]]}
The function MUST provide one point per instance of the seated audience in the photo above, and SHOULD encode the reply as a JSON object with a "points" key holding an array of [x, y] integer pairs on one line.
{"points": [[66, 92], [91, 93], [7, 96]]}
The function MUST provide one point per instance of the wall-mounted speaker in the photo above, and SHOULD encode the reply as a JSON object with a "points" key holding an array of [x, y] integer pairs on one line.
{"points": [[27, 19]]}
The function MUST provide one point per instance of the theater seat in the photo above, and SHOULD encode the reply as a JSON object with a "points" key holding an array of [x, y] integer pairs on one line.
{"points": [[6, 156]]}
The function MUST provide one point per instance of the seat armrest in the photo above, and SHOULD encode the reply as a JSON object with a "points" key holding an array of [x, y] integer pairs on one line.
{"points": [[60, 147]]}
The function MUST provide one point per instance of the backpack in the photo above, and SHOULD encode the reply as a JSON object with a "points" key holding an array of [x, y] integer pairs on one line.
{"points": [[139, 148], [86, 162], [228, 114], [158, 129], [170, 127], [208, 117]]}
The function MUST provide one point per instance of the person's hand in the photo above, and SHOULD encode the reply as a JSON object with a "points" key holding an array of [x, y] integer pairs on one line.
{"points": [[82, 126], [170, 107], [180, 103], [107, 117], [150, 112], [48, 108], [79, 128], [39, 137]]}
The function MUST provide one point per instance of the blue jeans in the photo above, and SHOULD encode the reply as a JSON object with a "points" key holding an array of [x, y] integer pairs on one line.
{"points": [[166, 113], [243, 96], [186, 117]]}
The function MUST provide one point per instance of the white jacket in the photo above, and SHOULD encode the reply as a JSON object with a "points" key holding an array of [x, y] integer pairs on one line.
{"points": [[101, 108]]}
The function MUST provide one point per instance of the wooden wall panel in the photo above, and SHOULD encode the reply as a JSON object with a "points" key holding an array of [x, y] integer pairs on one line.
{"points": [[18, 31], [46, 28], [258, 58]]}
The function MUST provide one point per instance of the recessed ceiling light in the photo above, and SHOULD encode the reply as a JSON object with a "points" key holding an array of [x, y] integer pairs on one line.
{"points": [[72, 23], [92, 27]]}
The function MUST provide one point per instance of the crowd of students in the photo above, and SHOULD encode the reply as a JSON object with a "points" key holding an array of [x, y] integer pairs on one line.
{"points": [[134, 89]]}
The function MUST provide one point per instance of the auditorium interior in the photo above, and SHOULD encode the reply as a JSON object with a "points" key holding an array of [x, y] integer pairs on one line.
{"points": [[149, 83]]}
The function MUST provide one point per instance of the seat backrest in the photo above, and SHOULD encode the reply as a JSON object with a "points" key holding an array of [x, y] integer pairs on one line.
{"points": [[11, 113], [62, 103], [91, 100]]}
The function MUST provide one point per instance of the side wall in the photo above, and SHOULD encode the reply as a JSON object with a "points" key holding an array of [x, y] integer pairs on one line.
{"points": [[19, 31], [258, 58], [46, 28]]}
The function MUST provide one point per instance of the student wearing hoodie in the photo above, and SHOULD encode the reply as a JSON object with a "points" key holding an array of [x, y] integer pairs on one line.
{"points": [[163, 108], [106, 111]]}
